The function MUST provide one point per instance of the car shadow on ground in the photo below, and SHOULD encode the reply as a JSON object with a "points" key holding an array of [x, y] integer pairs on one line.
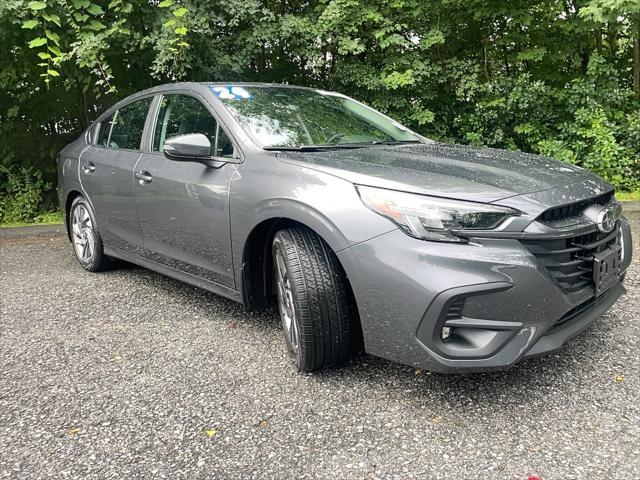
{"points": [[522, 383]]}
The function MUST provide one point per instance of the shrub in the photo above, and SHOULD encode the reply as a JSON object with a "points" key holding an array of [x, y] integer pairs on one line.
{"points": [[21, 194]]}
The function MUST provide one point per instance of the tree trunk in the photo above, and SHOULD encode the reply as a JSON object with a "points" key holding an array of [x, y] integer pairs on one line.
{"points": [[636, 64]]}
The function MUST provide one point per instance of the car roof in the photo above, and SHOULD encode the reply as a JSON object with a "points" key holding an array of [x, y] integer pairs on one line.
{"points": [[196, 86], [186, 85], [254, 84]]}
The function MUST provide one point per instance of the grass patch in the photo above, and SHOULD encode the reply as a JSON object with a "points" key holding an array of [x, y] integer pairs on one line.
{"points": [[628, 196], [49, 218]]}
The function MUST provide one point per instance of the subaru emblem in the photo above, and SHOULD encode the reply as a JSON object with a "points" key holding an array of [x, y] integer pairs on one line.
{"points": [[606, 220]]}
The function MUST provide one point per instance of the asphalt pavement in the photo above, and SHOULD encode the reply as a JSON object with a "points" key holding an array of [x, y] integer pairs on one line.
{"points": [[129, 374]]}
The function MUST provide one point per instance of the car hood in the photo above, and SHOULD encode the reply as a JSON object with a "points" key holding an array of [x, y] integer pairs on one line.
{"points": [[453, 171]]}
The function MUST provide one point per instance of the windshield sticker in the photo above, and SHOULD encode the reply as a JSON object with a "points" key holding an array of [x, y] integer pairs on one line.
{"points": [[230, 92]]}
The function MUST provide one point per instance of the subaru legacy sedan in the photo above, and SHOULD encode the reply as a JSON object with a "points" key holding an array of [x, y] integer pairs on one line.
{"points": [[445, 257]]}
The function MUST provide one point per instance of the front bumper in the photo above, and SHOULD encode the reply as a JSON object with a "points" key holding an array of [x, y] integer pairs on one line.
{"points": [[499, 297]]}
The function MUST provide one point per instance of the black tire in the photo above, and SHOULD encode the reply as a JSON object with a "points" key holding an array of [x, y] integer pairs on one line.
{"points": [[324, 309], [97, 261]]}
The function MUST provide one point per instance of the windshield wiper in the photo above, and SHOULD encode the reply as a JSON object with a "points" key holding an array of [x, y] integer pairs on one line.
{"points": [[338, 146], [394, 142], [315, 148]]}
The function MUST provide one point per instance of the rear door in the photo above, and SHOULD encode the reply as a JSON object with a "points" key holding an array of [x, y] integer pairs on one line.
{"points": [[106, 173], [184, 206]]}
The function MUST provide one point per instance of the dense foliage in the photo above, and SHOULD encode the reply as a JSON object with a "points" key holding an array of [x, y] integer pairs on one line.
{"points": [[555, 77]]}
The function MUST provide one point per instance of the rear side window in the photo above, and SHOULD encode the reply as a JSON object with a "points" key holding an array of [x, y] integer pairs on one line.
{"points": [[129, 125], [182, 114]]}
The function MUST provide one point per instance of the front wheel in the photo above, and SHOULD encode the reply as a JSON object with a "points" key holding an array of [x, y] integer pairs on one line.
{"points": [[316, 308], [85, 237]]}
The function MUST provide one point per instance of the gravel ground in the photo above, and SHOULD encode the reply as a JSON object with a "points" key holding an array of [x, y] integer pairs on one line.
{"points": [[130, 374]]}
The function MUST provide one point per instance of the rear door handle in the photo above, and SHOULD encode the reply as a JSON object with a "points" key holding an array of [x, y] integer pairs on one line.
{"points": [[144, 177], [89, 168]]}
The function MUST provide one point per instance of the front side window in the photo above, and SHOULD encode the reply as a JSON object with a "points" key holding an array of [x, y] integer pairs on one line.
{"points": [[224, 147], [294, 117], [129, 125], [183, 114]]}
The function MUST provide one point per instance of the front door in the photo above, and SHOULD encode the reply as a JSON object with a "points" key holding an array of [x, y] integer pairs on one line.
{"points": [[106, 173], [184, 206]]}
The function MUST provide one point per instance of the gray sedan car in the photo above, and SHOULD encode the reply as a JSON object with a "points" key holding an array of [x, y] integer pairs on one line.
{"points": [[444, 257]]}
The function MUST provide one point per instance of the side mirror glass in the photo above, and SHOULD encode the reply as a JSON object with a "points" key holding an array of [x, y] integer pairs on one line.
{"points": [[189, 147]]}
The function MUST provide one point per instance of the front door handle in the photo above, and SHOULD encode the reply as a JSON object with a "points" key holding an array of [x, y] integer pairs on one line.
{"points": [[144, 177], [89, 168]]}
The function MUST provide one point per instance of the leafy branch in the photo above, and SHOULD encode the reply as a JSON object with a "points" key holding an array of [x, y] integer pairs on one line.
{"points": [[48, 42], [177, 27]]}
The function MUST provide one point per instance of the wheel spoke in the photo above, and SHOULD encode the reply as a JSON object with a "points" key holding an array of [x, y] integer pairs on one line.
{"points": [[89, 235], [89, 245], [282, 269], [82, 215], [76, 217], [285, 302], [292, 333]]}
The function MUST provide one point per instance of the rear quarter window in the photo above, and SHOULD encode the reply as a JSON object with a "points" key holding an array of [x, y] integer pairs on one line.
{"points": [[104, 129]]}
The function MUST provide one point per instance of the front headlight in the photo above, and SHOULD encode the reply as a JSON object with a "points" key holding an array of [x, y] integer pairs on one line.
{"points": [[433, 218]]}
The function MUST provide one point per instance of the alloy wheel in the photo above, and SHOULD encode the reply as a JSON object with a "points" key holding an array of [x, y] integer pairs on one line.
{"points": [[83, 235]]}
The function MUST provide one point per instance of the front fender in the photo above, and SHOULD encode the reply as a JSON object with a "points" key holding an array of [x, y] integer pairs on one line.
{"points": [[328, 205]]}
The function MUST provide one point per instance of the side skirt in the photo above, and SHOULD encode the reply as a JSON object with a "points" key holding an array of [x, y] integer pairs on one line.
{"points": [[213, 287]]}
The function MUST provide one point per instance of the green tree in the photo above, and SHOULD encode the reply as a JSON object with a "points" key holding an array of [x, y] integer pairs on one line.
{"points": [[553, 77]]}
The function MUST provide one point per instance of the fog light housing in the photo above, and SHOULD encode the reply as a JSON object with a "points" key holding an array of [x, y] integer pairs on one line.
{"points": [[446, 332]]}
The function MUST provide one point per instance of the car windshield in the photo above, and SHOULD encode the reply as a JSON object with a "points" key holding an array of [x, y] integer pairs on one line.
{"points": [[285, 117]]}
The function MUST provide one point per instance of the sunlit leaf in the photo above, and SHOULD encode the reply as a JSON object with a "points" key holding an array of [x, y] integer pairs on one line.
{"points": [[37, 42], [96, 25], [30, 24], [55, 50], [180, 12], [37, 5], [53, 36]]}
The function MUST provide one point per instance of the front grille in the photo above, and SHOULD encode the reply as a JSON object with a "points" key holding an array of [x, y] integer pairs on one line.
{"points": [[573, 209], [569, 261]]}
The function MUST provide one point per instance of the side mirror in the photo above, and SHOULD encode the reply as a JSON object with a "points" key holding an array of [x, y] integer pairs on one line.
{"points": [[190, 147], [193, 147]]}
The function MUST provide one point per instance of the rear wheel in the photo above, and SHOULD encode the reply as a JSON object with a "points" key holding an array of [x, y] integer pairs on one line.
{"points": [[314, 300], [85, 237]]}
